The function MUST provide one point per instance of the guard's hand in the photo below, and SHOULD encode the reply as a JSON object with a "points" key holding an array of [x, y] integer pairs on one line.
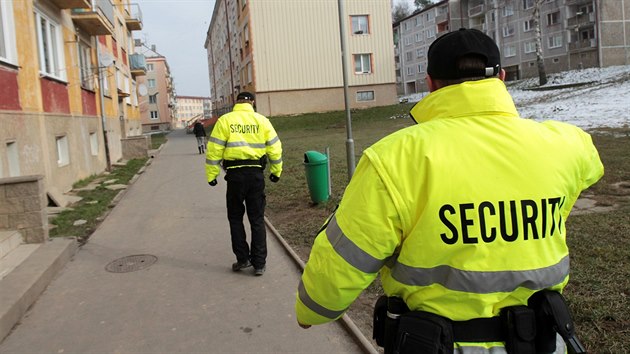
{"points": [[213, 182], [303, 325], [273, 178]]}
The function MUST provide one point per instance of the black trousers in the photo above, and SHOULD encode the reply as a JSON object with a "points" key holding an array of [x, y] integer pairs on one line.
{"points": [[246, 191]]}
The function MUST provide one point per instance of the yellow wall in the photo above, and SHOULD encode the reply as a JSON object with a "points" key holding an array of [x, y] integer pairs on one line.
{"points": [[26, 42]]}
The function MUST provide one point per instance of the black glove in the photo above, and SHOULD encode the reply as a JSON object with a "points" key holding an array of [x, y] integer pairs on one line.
{"points": [[273, 178], [213, 182]]}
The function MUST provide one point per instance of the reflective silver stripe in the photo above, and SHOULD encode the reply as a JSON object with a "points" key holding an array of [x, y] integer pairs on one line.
{"points": [[212, 162], [315, 307], [480, 282], [272, 141], [245, 143], [275, 161], [217, 141], [354, 255]]}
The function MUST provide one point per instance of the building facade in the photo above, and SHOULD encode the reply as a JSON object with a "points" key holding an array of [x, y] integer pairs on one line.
{"points": [[192, 108], [575, 34], [289, 54], [158, 108], [67, 87]]}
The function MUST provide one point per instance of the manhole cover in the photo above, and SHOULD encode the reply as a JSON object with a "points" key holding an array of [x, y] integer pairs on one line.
{"points": [[131, 263]]}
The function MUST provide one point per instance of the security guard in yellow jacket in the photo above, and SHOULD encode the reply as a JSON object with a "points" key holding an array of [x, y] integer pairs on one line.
{"points": [[241, 142], [462, 214]]}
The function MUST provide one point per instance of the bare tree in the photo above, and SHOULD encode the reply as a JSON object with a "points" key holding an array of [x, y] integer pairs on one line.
{"points": [[400, 11], [542, 75]]}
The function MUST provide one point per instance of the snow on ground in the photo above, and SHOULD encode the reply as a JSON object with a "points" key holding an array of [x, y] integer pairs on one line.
{"points": [[601, 97]]}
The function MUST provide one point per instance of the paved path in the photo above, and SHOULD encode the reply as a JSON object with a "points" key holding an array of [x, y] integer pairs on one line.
{"points": [[189, 301]]}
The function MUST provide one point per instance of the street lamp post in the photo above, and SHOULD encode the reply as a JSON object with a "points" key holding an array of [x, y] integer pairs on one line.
{"points": [[344, 66]]}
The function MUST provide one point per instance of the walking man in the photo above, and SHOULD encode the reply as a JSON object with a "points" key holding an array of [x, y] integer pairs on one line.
{"points": [[462, 214], [200, 135], [241, 142]]}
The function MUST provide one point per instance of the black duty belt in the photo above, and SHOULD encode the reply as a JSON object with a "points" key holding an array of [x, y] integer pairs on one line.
{"points": [[238, 163], [478, 330]]}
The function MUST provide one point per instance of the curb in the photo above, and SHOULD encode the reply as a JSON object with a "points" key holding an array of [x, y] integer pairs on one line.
{"points": [[22, 287], [355, 332]]}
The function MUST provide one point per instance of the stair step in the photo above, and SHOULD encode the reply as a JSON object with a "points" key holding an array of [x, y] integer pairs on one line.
{"points": [[9, 240], [16, 257]]}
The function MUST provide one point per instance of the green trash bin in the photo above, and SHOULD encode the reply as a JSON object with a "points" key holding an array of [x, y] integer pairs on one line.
{"points": [[316, 166]]}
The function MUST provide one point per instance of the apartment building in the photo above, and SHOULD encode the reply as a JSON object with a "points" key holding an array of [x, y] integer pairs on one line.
{"points": [[575, 34], [289, 54], [191, 108], [158, 106], [67, 87]]}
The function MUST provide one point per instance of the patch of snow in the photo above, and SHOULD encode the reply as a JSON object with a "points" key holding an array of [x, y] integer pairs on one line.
{"points": [[601, 97]]}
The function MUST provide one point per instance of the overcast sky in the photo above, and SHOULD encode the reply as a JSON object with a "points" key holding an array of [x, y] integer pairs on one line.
{"points": [[178, 30]]}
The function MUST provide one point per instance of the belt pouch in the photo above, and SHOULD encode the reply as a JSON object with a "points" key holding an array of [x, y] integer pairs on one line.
{"points": [[396, 307], [424, 332], [378, 320], [520, 326]]}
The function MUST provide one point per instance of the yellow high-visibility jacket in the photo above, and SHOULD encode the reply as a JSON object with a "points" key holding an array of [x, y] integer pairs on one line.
{"points": [[243, 134], [463, 214]]}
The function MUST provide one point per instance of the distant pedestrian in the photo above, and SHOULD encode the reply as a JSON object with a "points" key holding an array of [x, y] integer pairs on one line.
{"points": [[200, 134], [243, 140]]}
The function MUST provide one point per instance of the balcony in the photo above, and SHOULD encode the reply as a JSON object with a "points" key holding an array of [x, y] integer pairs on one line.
{"points": [[581, 20], [72, 4], [441, 18], [133, 17], [138, 65], [476, 11], [578, 2], [583, 45], [97, 20]]}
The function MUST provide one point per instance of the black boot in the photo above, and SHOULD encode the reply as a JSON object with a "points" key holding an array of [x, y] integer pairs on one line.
{"points": [[199, 148]]}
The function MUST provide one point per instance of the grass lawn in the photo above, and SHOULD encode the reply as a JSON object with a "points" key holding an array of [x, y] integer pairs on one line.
{"points": [[600, 249]]}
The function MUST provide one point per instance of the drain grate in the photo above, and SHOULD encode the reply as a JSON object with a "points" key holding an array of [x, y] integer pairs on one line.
{"points": [[131, 263]]}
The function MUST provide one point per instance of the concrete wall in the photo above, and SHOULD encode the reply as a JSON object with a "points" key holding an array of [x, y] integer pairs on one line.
{"points": [[23, 207], [136, 147]]}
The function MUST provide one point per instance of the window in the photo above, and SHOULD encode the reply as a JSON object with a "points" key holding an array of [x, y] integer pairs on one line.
{"points": [[149, 67], [408, 56], [418, 21], [49, 42], [528, 4], [151, 83], [408, 40], [63, 155], [105, 80], [528, 25], [508, 10], [409, 71], [7, 33], [508, 31], [153, 98], [154, 114], [420, 69], [430, 16], [94, 144], [553, 18], [555, 41], [509, 51], [430, 33], [85, 63], [418, 37], [362, 64], [530, 47], [365, 96], [14, 159], [419, 53], [360, 24]]}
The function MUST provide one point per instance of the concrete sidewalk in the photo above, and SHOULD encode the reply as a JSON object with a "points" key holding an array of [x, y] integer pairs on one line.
{"points": [[189, 300]]}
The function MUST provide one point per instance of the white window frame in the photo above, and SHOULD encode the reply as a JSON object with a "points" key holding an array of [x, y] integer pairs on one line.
{"points": [[420, 68], [550, 17], [409, 71], [50, 46], [85, 65], [508, 31], [360, 24], [63, 152], [430, 33], [365, 96], [153, 99], [419, 37], [528, 4], [420, 53], [363, 63], [554, 41], [149, 67], [508, 10], [8, 51], [529, 47], [528, 25], [509, 51], [151, 83], [154, 115]]}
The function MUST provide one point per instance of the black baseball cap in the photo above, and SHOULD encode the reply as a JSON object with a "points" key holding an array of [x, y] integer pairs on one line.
{"points": [[444, 52], [245, 96]]}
